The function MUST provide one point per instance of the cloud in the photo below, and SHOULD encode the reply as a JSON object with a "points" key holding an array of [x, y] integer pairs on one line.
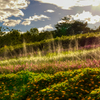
{"points": [[71, 19], [67, 4], [10, 8], [49, 11], [87, 17], [5, 13], [11, 22], [26, 23], [61, 21], [45, 28], [36, 17]]}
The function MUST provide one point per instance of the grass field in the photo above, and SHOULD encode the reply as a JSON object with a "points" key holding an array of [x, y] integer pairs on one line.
{"points": [[62, 75]]}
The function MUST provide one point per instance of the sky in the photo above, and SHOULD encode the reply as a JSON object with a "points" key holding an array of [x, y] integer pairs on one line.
{"points": [[45, 14]]}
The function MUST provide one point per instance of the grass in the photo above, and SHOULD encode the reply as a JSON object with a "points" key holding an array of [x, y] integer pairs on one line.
{"points": [[62, 75]]}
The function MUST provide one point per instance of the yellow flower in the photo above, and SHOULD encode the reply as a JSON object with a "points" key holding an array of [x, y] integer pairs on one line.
{"points": [[62, 95], [56, 98], [89, 98], [49, 94], [99, 82], [2, 83], [96, 85], [82, 99], [89, 84], [28, 98], [77, 92], [50, 97], [56, 90], [5, 46], [76, 87], [92, 82], [43, 98], [82, 89], [91, 79], [71, 93], [31, 90], [92, 87]]}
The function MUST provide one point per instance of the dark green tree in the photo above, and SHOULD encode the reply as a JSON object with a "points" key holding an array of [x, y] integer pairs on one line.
{"points": [[68, 26], [27, 36], [63, 26], [45, 35], [2, 29], [15, 36], [78, 27], [34, 31]]}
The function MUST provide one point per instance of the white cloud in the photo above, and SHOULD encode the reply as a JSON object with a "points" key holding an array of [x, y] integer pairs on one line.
{"points": [[61, 21], [36, 17], [10, 8], [26, 23], [11, 22], [14, 4], [66, 4], [68, 21], [49, 11], [5, 13], [45, 28], [87, 16], [88, 2]]}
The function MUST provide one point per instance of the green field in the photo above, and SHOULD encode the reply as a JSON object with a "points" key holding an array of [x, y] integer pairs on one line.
{"points": [[62, 75]]}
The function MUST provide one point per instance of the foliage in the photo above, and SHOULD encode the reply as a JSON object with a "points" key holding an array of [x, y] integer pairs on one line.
{"points": [[83, 39], [67, 28], [71, 27], [34, 31]]}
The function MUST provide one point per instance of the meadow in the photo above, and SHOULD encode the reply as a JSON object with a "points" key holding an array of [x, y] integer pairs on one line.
{"points": [[63, 74]]}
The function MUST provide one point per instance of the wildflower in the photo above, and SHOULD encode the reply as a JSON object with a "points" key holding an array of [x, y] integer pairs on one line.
{"points": [[56, 98], [50, 97], [77, 92]]}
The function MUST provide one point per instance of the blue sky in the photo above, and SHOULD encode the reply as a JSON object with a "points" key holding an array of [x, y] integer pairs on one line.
{"points": [[44, 14]]}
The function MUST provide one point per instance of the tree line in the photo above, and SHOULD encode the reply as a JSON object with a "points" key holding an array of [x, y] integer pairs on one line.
{"points": [[68, 27]]}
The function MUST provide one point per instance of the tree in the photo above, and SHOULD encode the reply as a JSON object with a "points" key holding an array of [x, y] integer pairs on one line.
{"points": [[68, 26], [27, 36], [15, 36], [78, 27], [63, 26], [1, 31], [34, 31], [45, 35]]}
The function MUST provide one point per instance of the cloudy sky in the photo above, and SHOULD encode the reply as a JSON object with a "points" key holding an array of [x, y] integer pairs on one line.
{"points": [[44, 14]]}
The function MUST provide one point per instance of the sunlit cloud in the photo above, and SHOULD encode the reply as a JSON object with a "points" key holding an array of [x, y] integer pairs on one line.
{"points": [[5, 13], [26, 22], [71, 19], [11, 23], [50, 11], [67, 4], [36, 17], [61, 21], [45, 28], [87, 17], [10, 8], [14, 4]]}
